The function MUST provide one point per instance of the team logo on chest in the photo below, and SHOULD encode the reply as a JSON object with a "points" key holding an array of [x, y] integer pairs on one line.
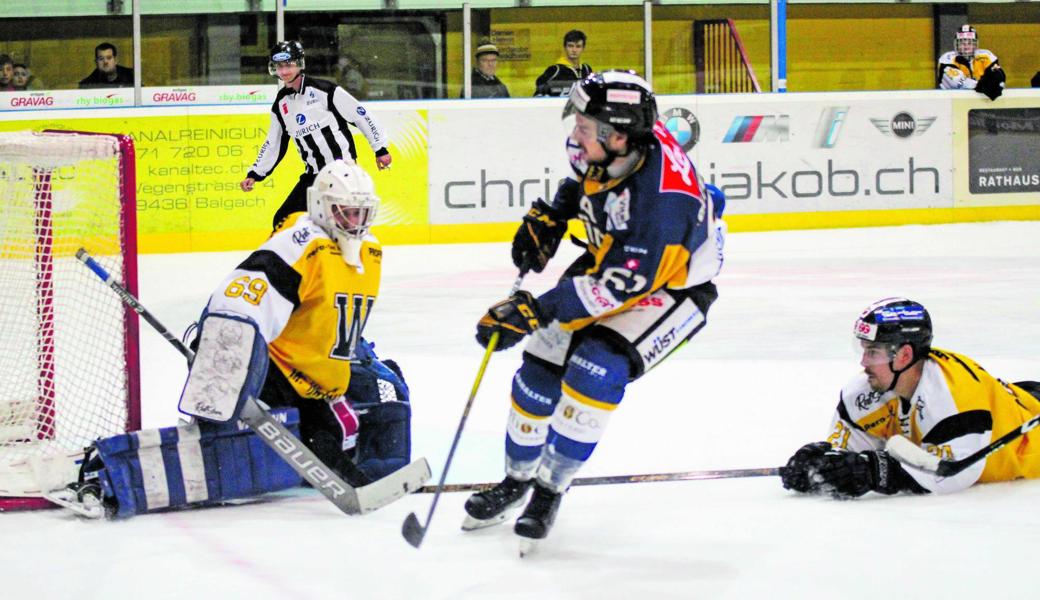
{"points": [[617, 209]]}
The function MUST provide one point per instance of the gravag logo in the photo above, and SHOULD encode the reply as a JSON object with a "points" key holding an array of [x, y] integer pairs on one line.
{"points": [[301, 119]]}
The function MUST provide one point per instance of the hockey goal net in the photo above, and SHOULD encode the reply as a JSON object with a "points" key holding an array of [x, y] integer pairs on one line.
{"points": [[69, 356]]}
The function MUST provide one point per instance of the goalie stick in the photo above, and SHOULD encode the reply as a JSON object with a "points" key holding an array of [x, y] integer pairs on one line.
{"points": [[616, 479], [348, 499], [412, 531], [910, 453]]}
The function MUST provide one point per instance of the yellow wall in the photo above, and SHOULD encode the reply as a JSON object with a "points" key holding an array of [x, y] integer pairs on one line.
{"points": [[1012, 32]]}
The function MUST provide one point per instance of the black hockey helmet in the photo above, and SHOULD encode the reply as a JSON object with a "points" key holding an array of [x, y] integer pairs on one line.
{"points": [[894, 322], [289, 51], [620, 99]]}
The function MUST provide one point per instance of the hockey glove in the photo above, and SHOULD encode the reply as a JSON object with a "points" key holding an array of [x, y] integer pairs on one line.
{"points": [[846, 474], [992, 82], [795, 475], [538, 237], [513, 318]]}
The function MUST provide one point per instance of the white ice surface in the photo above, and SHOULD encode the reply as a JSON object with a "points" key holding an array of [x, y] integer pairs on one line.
{"points": [[758, 382]]}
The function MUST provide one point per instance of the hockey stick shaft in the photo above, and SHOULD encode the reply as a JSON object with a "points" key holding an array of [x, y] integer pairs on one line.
{"points": [[618, 479], [411, 529], [129, 300], [907, 452], [348, 499]]}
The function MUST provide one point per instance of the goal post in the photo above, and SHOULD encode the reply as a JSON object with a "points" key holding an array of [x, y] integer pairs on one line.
{"points": [[69, 354]]}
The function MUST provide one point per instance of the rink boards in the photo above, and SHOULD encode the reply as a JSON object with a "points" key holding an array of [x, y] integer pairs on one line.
{"points": [[465, 171]]}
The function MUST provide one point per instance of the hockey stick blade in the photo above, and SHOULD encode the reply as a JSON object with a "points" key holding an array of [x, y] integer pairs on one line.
{"points": [[619, 479], [396, 485], [412, 531], [909, 453]]}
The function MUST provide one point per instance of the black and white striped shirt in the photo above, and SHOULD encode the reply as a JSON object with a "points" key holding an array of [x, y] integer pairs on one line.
{"points": [[316, 118]]}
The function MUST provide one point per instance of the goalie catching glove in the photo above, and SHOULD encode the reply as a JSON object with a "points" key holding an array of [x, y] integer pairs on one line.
{"points": [[513, 318], [538, 237]]}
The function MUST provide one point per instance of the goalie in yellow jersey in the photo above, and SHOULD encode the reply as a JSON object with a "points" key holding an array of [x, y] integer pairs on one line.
{"points": [[942, 401], [968, 67], [305, 296]]}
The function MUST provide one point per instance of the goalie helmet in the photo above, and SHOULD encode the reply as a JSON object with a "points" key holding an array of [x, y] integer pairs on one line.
{"points": [[289, 51], [343, 202], [620, 99], [967, 41], [894, 322]]}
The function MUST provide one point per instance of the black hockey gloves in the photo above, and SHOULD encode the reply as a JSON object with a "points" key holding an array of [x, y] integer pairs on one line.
{"points": [[992, 82], [844, 474], [795, 476], [513, 318], [538, 237]]}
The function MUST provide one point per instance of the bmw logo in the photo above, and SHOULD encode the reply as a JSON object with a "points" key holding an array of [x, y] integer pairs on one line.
{"points": [[683, 126]]}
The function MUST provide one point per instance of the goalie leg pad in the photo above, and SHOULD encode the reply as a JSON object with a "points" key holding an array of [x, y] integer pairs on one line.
{"points": [[230, 366], [173, 467], [384, 442]]}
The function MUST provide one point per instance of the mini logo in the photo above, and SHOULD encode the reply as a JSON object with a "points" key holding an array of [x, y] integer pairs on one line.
{"points": [[301, 119], [758, 128], [361, 110], [903, 125], [683, 126]]}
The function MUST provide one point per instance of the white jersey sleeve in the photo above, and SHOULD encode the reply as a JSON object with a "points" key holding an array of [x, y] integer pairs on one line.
{"points": [[273, 148], [359, 116], [265, 288]]}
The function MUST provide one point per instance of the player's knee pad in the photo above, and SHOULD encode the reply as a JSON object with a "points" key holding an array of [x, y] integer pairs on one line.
{"points": [[536, 389], [230, 366], [384, 442], [173, 467]]}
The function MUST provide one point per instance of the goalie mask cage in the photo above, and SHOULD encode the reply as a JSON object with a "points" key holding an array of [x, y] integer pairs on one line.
{"points": [[69, 356]]}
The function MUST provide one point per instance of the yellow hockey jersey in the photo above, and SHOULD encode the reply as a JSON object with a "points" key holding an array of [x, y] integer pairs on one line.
{"points": [[961, 74], [957, 409], [310, 306]]}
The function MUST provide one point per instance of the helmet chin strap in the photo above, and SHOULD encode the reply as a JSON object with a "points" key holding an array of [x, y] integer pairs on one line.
{"points": [[896, 374]]}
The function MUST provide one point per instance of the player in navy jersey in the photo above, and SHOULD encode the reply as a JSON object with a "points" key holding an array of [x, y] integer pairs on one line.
{"points": [[641, 289]]}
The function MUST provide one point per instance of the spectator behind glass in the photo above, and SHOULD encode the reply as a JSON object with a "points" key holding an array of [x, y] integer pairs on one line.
{"points": [[108, 74], [23, 79], [558, 78], [6, 73], [485, 83]]}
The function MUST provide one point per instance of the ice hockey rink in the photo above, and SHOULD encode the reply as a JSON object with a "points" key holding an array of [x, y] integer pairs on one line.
{"points": [[758, 382]]}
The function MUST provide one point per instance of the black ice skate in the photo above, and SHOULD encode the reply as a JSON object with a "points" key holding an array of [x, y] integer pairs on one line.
{"points": [[536, 521], [494, 506]]}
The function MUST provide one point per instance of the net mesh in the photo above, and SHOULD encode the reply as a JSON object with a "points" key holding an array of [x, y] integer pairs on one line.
{"points": [[63, 358]]}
